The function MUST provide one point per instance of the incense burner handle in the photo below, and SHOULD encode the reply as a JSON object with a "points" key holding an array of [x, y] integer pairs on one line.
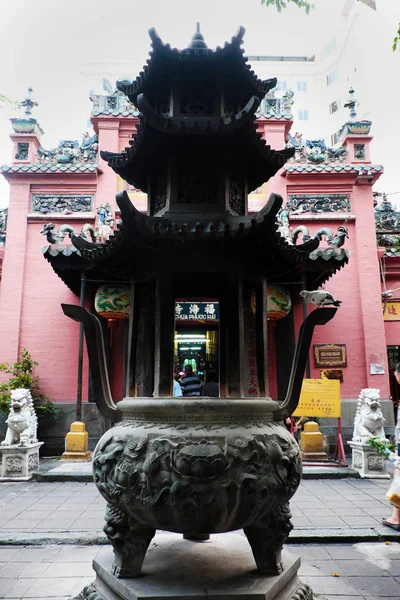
{"points": [[320, 316], [97, 359]]}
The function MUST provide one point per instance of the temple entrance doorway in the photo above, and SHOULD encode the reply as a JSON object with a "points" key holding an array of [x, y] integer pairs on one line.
{"points": [[196, 340]]}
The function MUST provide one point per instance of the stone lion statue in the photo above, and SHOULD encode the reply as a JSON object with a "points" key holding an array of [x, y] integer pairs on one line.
{"points": [[22, 420], [369, 418]]}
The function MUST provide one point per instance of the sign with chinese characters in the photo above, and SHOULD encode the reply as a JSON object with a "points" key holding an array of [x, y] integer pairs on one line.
{"points": [[319, 398], [196, 311], [392, 311], [330, 355]]}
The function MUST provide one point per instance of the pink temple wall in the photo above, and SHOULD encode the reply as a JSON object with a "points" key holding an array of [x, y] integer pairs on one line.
{"points": [[31, 293]]}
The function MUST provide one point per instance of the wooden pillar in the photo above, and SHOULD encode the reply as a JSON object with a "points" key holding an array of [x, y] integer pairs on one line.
{"points": [[164, 337], [235, 318], [262, 336], [130, 343], [285, 345], [223, 345], [142, 377]]}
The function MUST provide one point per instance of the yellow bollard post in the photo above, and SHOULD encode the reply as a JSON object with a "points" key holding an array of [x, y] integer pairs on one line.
{"points": [[312, 443], [77, 443]]}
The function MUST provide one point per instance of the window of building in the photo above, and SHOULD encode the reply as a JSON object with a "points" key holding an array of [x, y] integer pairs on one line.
{"points": [[303, 114], [334, 106], [333, 76], [281, 86], [335, 138], [301, 86], [328, 49]]}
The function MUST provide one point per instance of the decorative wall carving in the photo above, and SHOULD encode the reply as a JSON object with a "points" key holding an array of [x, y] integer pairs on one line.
{"points": [[236, 197], [386, 218], [314, 151], [104, 223], [357, 459], [318, 203], [375, 463], [276, 107], [159, 193], [70, 152], [22, 151], [3, 225], [62, 203], [359, 152], [33, 462], [13, 464], [113, 101], [336, 240]]}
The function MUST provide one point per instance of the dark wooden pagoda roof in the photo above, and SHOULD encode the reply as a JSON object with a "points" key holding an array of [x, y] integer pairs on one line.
{"points": [[157, 134], [142, 244], [164, 60]]}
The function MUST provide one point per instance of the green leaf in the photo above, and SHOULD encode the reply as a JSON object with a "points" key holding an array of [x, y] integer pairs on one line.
{"points": [[22, 376]]}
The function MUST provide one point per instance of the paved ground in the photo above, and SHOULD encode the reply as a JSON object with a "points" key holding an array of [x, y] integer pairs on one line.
{"points": [[72, 512], [335, 572], [51, 531]]}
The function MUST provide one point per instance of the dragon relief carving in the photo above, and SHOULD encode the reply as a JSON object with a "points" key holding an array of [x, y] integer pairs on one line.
{"points": [[197, 482], [22, 420]]}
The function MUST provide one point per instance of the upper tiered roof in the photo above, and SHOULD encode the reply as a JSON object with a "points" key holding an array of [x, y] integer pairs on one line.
{"points": [[227, 63], [197, 148]]}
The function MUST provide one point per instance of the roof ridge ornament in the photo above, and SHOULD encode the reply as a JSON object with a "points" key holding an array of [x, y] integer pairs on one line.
{"points": [[197, 42], [28, 103], [351, 105]]}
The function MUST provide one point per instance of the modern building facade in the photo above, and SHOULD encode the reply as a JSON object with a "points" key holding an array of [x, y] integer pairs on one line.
{"points": [[354, 51]]}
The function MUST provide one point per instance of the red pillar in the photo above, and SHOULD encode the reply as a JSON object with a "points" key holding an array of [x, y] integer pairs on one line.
{"points": [[370, 287], [12, 283]]}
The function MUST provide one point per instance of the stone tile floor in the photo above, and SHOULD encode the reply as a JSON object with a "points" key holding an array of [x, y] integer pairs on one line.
{"points": [[67, 507], [71, 513], [335, 572]]}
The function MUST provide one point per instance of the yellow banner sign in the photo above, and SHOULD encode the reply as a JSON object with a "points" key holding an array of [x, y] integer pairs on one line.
{"points": [[392, 311], [319, 398]]}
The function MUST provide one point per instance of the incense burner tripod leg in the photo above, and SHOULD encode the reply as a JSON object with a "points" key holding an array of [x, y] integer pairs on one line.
{"points": [[130, 541], [267, 537]]}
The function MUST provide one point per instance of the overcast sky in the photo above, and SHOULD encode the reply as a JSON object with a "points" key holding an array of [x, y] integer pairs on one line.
{"points": [[62, 49]]}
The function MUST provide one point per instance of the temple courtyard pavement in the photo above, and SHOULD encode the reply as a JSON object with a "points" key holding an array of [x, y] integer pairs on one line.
{"points": [[51, 530]]}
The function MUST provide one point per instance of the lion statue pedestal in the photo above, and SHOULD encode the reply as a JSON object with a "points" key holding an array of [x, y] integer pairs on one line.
{"points": [[20, 449], [368, 423]]}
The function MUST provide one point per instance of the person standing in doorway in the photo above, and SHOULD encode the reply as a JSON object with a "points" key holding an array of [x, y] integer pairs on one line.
{"points": [[190, 384], [211, 386]]}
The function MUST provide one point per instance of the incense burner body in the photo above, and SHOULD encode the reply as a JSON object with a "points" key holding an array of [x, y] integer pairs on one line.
{"points": [[197, 467]]}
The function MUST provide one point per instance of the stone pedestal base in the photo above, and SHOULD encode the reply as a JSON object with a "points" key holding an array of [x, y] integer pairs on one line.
{"points": [[366, 461], [77, 456], [314, 456], [76, 444], [312, 443], [19, 462], [178, 569]]}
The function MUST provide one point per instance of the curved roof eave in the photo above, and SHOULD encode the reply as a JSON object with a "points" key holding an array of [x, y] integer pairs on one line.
{"points": [[164, 52]]}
